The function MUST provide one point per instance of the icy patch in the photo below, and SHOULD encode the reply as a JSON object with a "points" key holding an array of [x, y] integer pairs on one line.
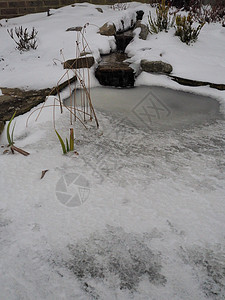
{"points": [[3, 221], [119, 259], [155, 107], [209, 268]]}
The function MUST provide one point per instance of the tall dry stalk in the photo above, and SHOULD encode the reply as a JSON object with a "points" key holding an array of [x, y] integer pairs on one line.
{"points": [[82, 83]]}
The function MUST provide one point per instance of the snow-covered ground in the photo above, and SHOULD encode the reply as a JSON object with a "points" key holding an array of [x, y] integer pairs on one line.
{"points": [[139, 213]]}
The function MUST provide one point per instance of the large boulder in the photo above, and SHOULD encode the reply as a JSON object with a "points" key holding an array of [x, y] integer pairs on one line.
{"points": [[156, 66], [79, 63], [144, 30], [107, 29]]}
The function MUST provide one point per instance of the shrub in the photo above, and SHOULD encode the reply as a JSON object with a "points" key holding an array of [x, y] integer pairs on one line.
{"points": [[119, 6], [208, 13], [163, 21], [180, 3], [185, 30], [24, 40]]}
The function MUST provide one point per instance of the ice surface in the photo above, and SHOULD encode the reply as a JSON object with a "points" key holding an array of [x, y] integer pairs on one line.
{"points": [[155, 107]]}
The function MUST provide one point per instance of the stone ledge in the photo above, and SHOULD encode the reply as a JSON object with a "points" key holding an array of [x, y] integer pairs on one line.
{"points": [[79, 63], [23, 101], [190, 82]]}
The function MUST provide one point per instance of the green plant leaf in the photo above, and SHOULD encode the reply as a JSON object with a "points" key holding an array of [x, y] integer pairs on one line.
{"points": [[67, 145], [10, 138], [61, 142], [13, 133]]}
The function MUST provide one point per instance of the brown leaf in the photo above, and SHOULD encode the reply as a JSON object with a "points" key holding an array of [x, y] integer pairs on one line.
{"points": [[21, 151], [43, 173]]}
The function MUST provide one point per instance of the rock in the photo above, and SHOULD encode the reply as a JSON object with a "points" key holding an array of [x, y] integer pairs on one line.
{"points": [[156, 66], [113, 71], [191, 82], [139, 15], [2, 124], [144, 30], [107, 29], [78, 28], [99, 9], [19, 101], [122, 76], [22, 101], [79, 63], [123, 39]]}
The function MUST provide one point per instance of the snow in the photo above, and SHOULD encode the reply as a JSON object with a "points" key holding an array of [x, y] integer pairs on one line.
{"points": [[42, 68], [150, 221]]}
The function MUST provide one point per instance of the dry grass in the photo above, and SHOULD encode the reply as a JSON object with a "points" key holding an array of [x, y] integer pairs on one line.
{"points": [[80, 109]]}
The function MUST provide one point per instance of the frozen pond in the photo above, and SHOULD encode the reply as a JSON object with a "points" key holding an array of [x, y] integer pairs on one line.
{"points": [[155, 107]]}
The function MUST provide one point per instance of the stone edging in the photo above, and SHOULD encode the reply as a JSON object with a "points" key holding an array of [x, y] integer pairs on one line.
{"points": [[190, 82], [23, 101]]}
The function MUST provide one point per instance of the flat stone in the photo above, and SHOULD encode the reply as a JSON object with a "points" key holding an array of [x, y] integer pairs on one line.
{"points": [[78, 28], [113, 71], [79, 63], [191, 82], [156, 67], [108, 29], [21, 101]]}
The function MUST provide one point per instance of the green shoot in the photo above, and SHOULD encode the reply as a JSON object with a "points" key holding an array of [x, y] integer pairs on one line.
{"points": [[67, 145], [10, 137], [61, 142]]}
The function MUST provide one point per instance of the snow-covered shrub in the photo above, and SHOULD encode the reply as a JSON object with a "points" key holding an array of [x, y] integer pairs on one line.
{"points": [[209, 13], [120, 6], [184, 29], [24, 40], [163, 20]]}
